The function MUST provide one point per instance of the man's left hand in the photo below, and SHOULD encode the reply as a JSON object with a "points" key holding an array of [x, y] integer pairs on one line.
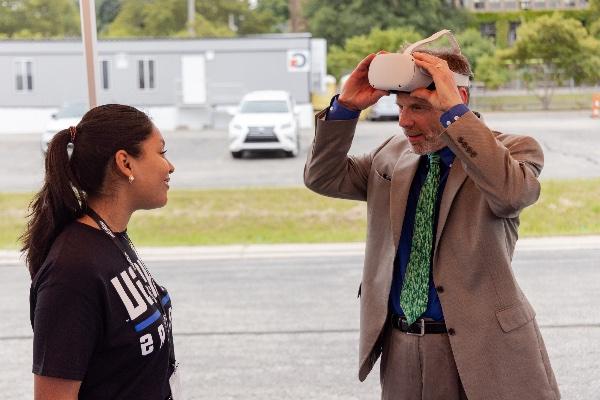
{"points": [[446, 94]]}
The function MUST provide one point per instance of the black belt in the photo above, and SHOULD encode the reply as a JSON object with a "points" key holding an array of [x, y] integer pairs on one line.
{"points": [[420, 327]]}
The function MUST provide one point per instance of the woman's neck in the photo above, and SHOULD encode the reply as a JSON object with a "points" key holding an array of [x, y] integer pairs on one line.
{"points": [[111, 211]]}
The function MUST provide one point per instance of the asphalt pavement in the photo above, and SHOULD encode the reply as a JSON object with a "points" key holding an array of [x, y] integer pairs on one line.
{"points": [[281, 322], [570, 141]]}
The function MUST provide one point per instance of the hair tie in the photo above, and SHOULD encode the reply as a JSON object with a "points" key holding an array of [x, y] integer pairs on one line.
{"points": [[73, 132]]}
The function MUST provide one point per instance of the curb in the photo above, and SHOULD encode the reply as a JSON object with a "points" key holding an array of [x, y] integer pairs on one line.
{"points": [[263, 251]]}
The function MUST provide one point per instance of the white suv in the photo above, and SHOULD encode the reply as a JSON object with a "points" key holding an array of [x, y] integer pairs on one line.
{"points": [[265, 120]]}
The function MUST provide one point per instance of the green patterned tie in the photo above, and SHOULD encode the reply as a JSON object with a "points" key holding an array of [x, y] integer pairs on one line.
{"points": [[415, 290]]}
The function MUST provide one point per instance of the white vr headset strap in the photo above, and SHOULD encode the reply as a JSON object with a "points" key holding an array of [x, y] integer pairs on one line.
{"points": [[455, 47], [461, 80]]}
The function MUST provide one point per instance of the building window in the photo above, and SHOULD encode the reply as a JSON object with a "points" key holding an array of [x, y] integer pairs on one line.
{"points": [[23, 75], [488, 30], [105, 74], [146, 74], [512, 32]]}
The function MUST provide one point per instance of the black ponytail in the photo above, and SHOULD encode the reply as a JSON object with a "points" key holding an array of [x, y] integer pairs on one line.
{"points": [[58, 203]]}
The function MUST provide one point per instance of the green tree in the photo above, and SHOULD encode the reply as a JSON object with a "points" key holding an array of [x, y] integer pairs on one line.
{"points": [[279, 9], [342, 60], [551, 50], [336, 20], [492, 71], [474, 46], [148, 18], [594, 18], [595, 7], [106, 12], [39, 18], [595, 29], [216, 18], [245, 20], [257, 21], [12, 17]]}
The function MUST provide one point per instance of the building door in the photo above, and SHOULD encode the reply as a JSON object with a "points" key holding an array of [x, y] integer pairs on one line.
{"points": [[193, 79]]}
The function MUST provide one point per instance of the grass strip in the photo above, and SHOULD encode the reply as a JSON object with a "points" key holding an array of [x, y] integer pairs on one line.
{"points": [[560, 101], [296, 215], [565, 207]]}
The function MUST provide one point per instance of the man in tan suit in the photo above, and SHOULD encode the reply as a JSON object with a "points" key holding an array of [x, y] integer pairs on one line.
{"points": [[439, 301]]}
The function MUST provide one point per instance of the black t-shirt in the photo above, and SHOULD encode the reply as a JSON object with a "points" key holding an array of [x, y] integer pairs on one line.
{"points": [[96, 319]]}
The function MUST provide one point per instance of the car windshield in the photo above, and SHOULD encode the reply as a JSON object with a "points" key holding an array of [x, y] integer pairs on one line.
{"points": [[264, 106], [74, 110]]}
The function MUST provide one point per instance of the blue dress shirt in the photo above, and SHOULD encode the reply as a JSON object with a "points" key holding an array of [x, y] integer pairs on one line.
{"points": [[434, 309], [337, 111], [453, 114]]}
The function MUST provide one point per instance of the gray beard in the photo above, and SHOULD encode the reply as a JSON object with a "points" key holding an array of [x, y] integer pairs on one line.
{"points": [[427, 146]]}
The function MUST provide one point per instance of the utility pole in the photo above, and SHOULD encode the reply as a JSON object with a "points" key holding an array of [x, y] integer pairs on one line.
{"points": [[297, 20], [191, 17], [88, 36]]}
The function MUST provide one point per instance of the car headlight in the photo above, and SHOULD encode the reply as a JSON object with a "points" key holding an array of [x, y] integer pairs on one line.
{"points": [[235, 130], [285, 126]]}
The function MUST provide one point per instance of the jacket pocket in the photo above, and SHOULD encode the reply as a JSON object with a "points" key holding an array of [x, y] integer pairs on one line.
{"points": [[515, 316]]}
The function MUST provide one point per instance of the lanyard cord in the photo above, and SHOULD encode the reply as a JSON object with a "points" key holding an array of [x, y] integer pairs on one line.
{"points": [[104, 227]]}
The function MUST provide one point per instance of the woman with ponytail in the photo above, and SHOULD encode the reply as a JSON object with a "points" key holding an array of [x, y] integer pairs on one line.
{"points": [[101, 323]]}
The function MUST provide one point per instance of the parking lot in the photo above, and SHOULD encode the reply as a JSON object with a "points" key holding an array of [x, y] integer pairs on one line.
{"points": [[286, 326], [202, 160], [282, 322]]}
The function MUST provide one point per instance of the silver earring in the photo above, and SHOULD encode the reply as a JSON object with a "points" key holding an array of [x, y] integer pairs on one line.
{"points": [[131, 178]]}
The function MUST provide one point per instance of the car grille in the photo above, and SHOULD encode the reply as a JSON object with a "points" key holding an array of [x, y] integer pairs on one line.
{"points": [[261, 134]]}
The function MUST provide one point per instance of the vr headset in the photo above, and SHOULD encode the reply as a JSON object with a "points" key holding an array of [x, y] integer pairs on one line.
{"points": [[397, 72]]}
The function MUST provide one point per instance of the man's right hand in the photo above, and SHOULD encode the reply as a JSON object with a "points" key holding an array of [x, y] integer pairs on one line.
{"points": [[357, 94]]}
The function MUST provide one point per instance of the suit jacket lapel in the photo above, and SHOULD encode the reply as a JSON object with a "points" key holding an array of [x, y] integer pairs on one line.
{"points": [[456, 177], [404, 172]]}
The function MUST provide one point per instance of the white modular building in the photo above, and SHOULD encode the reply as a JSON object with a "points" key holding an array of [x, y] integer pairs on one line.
{"points": [[180, 83]]}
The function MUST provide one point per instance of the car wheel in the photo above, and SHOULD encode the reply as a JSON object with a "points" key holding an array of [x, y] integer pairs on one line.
{"points": [[236, 154]]}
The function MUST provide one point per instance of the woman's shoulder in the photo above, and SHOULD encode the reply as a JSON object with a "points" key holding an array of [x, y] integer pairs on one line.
{"points": [[79, 252]]}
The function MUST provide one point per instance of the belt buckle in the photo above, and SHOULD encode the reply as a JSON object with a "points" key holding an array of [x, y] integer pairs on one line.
{"points": [[422, 333]]}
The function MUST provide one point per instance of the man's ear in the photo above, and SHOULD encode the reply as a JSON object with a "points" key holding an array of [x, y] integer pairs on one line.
{"points": [[464, 94], [122, 161]]}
